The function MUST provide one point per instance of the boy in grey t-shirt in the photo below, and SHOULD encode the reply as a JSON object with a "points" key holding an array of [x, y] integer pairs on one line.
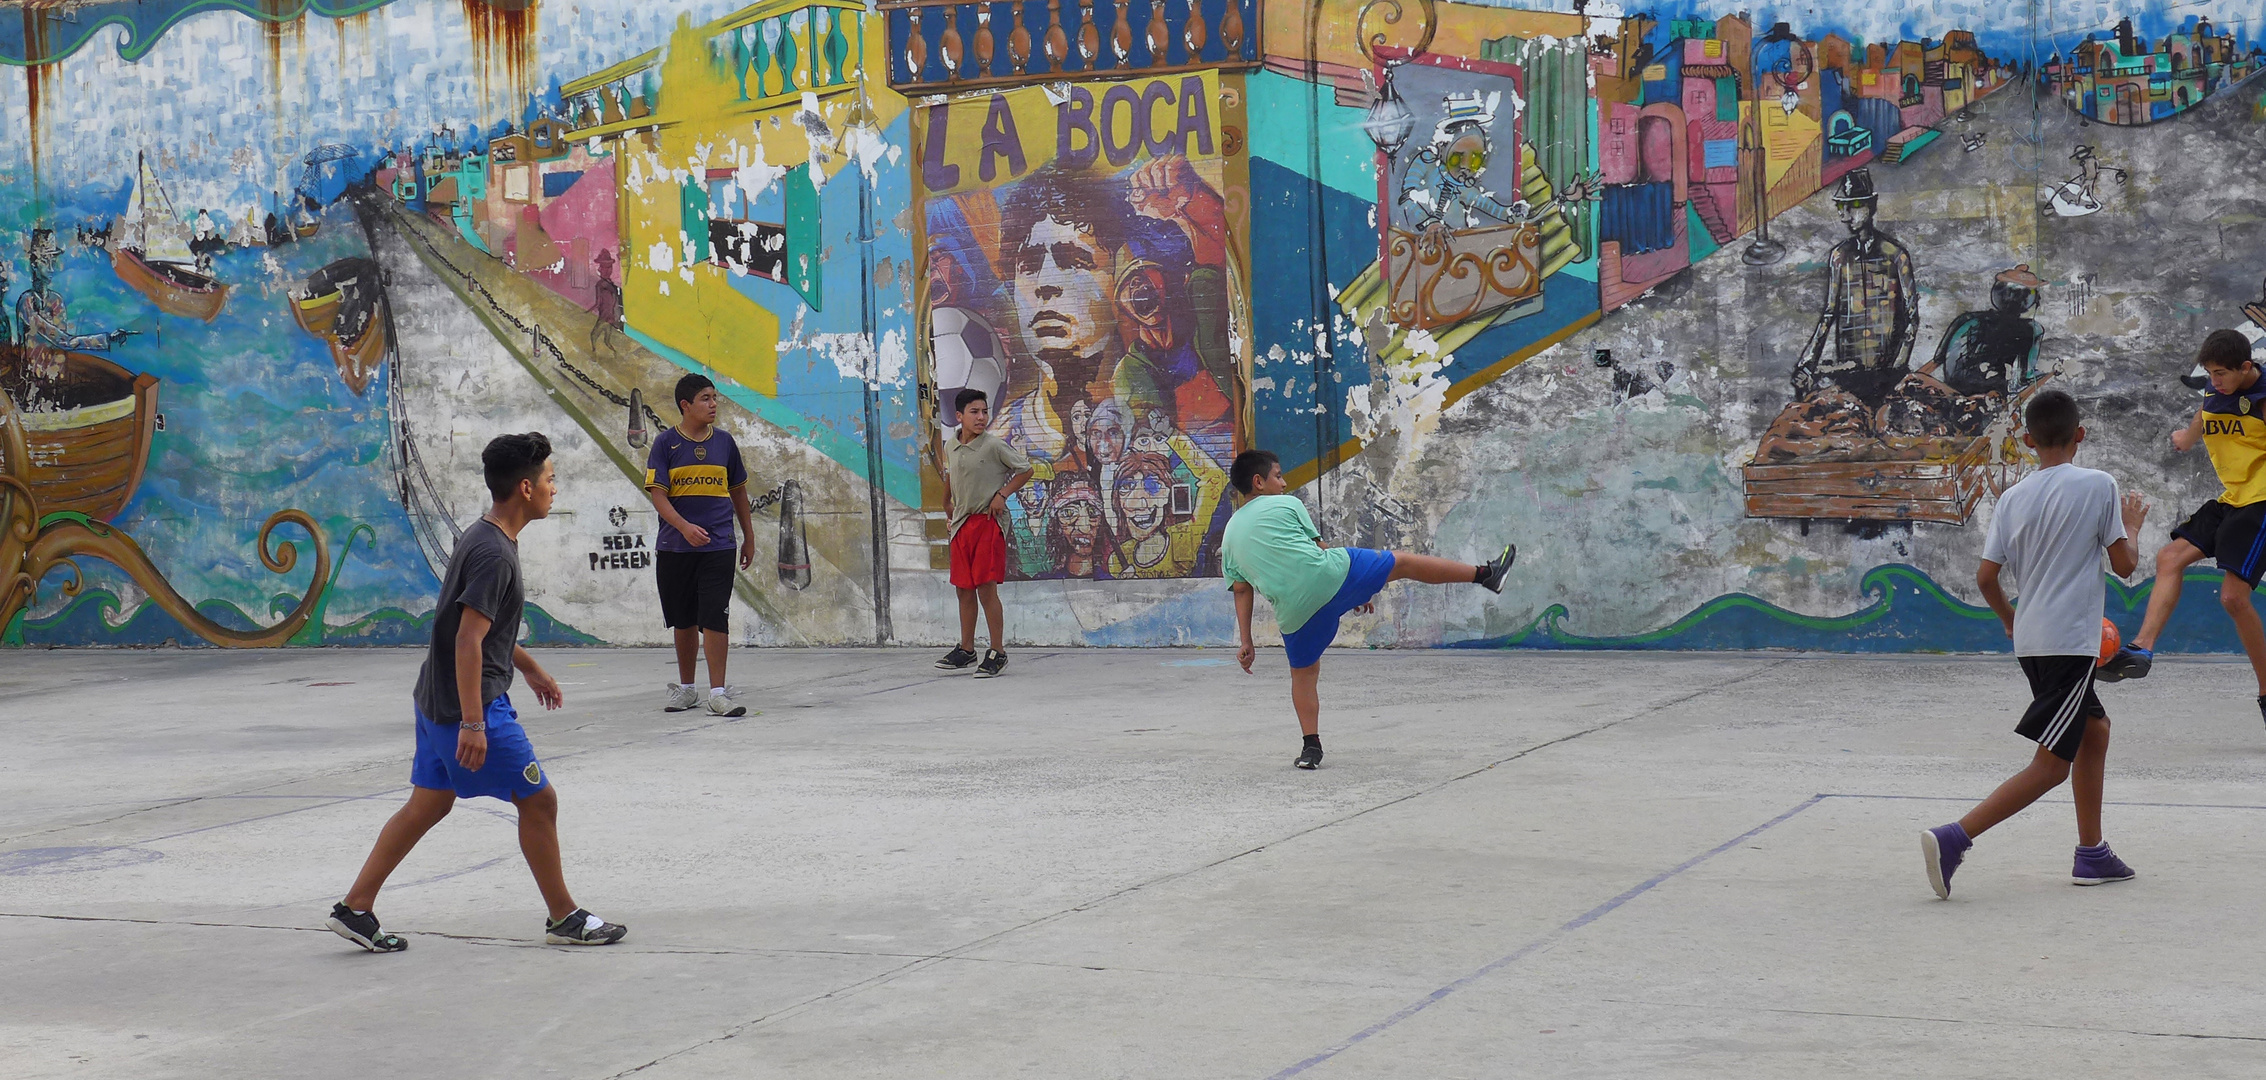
{"points": [[2050, 530]]}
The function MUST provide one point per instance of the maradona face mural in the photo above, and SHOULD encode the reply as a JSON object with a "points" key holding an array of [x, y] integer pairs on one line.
{"points": [[1728, 318]]}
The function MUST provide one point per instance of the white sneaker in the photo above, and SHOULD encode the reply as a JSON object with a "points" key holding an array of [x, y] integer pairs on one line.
{"points": [[723, 705], [682, 696]]}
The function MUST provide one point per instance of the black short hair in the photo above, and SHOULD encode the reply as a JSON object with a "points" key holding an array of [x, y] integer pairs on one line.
{"points": [[2052, 419], [2224, 349], [510, 459], [1249, 466], [690, 387], [966, 397]]}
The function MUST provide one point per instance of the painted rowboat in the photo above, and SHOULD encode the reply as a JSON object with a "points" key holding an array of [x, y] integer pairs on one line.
{"points": [[87, 429], [345, 305], [176, 289]]}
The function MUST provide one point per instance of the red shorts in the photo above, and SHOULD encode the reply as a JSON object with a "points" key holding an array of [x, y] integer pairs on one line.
{"points": [[979, 553]]}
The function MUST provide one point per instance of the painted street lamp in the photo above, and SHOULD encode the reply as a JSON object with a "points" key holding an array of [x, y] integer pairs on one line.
{"points": [[1791, 78]]}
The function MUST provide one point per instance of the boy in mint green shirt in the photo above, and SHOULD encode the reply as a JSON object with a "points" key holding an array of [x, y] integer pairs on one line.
{"points": [[1272, 548]]}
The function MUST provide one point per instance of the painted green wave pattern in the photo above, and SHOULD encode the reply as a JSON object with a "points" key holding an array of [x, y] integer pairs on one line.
{"points": [[97, 617], [43, 36], [1907, 612]]}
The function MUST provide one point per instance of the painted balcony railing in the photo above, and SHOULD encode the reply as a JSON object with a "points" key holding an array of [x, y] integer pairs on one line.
{"points": [[774, 52], [775, 55], [938, 46]]}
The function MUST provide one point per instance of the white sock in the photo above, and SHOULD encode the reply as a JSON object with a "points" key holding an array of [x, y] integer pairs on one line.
{"points": [[715, 691]]}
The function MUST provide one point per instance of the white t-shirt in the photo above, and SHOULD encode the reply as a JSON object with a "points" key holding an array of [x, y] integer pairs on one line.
{"points": [[2049, 531]]}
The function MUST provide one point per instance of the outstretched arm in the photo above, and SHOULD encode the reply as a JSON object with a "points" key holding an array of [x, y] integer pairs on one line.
{"points": [[2184, 439]]}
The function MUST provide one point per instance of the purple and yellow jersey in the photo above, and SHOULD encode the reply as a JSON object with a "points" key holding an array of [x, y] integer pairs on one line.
{"points": [[699, 478]]}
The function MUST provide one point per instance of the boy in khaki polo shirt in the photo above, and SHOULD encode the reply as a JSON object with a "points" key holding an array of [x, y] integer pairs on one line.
{"points": [[980, 472]]}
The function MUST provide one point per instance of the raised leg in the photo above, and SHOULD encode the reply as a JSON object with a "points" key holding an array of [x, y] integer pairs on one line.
{"points": [[1432, 569], [2163, 596]]}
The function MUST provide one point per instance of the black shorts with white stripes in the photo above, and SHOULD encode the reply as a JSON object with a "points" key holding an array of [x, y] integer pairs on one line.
{"points": [[2061, 691]]}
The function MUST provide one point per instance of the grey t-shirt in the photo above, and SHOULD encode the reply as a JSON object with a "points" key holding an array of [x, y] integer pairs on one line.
{"points": [[483, 573], [2049, 531]]}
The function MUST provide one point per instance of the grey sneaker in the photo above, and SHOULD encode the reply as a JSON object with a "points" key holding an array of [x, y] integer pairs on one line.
{"points": [[580, 927], [723, 705], [682, 696], [994, 663]]}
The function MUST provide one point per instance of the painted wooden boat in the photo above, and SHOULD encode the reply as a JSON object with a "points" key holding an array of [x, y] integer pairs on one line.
{"points": [[345, 305], [306, 229], [87, 425], [173, 287]]}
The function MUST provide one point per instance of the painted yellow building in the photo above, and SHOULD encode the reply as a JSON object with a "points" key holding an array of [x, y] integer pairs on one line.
{"points": [[787, 92]]}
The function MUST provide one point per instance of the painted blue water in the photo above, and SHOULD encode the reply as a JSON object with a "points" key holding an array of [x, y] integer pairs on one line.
{"points": [[257, 419]]}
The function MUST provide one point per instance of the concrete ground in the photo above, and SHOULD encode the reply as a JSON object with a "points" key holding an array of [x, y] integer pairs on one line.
{"points": [[1511, 865]]}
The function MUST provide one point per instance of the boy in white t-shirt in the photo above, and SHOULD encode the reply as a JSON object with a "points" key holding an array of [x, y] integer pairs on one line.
{"points": [[2050, 530]]}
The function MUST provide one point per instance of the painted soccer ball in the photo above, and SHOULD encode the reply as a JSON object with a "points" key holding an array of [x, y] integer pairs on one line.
{"points": [[2111, 641], [967, 357]]}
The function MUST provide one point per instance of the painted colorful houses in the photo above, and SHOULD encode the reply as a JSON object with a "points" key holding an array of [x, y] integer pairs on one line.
{"points": [[2119, 79]]}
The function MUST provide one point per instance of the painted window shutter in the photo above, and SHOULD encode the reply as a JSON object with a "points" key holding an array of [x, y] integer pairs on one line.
{"points": [[1727, 98], [804, 274]]}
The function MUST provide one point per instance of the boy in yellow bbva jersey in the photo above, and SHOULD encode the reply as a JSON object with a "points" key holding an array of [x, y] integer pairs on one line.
{"points": [[2231, 425]]}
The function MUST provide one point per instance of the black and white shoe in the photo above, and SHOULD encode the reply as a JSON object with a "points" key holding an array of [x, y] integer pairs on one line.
{"points": [[957, 659], [994, 663], [1499, 569], [1309, 758], [580, 927], [361, 928]]}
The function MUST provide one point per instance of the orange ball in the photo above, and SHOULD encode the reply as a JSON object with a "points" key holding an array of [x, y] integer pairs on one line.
{"points": [[2111, 641]]}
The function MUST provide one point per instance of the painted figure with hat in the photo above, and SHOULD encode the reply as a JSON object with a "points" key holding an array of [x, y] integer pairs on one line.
{"points": [[1445, 184], [1985, 364], [1862, 344], [40, 315]]}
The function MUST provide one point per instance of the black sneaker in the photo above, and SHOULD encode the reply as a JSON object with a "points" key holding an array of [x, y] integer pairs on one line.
{"points": [[1500, 568], [361, 928], [580, 927], [1309, 758], [956, 659], [2262, 706], [2130, 662], [994, 663]]}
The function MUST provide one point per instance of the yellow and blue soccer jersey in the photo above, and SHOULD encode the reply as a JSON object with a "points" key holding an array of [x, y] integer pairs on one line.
{"points": [[2234, 432], [699, 478]]}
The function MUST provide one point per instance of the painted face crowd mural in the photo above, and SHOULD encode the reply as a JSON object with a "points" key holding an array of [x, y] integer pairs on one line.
{"points": [[1082, 274]]}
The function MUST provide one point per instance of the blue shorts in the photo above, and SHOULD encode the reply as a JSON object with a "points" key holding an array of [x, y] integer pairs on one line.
{"points": [[510, 773], [1368, 574]]}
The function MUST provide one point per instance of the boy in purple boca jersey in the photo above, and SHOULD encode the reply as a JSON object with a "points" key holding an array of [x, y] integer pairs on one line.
{"points": [[698, 485]]}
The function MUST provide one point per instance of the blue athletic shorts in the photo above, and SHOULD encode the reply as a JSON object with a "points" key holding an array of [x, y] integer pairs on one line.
{"points": [[1368, 574], [510, 773]]}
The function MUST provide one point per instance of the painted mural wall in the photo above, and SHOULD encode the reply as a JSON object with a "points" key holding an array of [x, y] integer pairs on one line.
{"points": [[1726, 317]]}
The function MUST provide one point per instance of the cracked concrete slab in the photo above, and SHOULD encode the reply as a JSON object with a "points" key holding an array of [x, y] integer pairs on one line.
{"points": [[1511, 864]]}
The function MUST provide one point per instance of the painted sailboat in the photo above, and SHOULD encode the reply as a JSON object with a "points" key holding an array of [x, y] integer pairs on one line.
{"points": [[151, 253], [344, 304], [87, 426]]}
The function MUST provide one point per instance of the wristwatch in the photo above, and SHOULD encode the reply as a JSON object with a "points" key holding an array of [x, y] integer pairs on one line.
{"points": [[472, 725]]}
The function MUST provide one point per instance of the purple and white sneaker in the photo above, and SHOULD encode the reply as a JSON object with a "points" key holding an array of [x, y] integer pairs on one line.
{"points": [[1943, 847], [2097, 865]]}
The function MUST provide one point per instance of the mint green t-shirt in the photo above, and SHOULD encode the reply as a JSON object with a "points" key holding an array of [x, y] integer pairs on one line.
{"points": [[1272, 545]]}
